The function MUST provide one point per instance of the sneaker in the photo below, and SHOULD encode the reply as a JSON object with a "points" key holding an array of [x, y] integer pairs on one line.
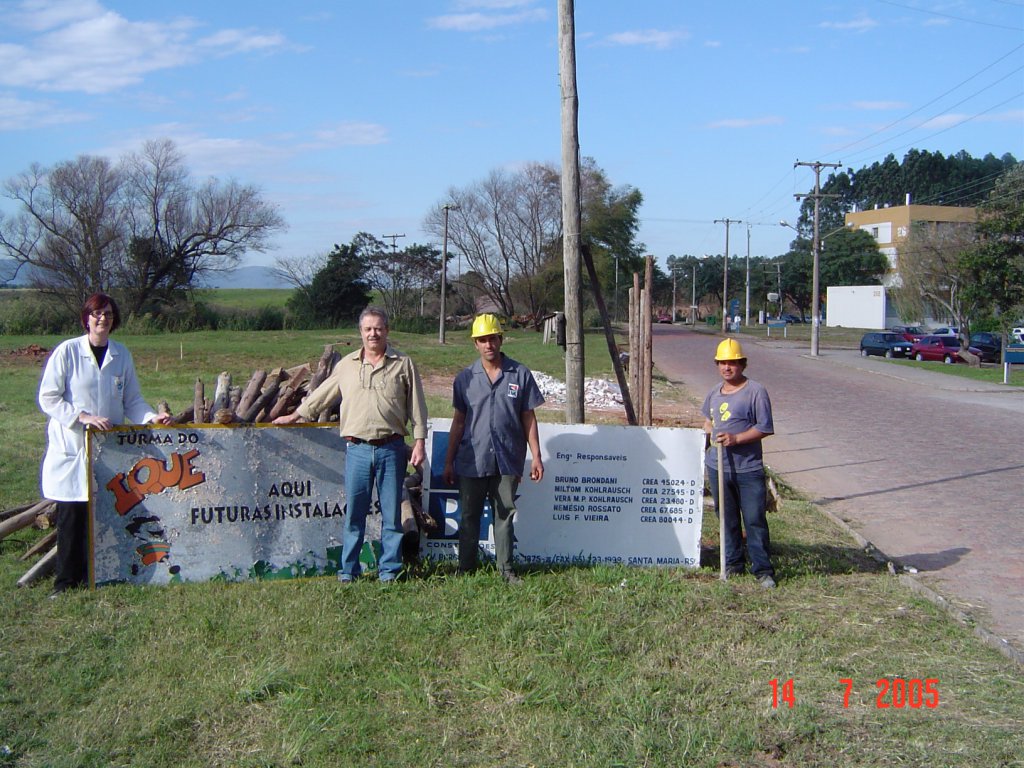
{"points": [[512, 578], [767, 581], [345, 578]]}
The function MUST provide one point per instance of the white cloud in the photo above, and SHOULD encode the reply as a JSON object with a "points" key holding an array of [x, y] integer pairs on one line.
{"points": [[39, 15], [862, 24], [351, 133], [479, 22], [746, 122], [80, 46], [654, 38], [465, 5], [941, 122], [230, 41], [712, 43], [20, 115], [879, 105]]}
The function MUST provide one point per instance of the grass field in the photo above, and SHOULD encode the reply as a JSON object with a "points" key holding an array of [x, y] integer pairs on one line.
{"points": [[579, 667], [246, 298]]}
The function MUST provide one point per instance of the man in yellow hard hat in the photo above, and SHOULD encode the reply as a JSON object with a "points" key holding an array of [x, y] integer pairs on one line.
{"points": [[738, 416], [493, 423]]}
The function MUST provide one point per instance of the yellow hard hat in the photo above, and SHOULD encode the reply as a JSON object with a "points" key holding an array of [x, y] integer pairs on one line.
{"points": [[486, 325], [729, 349]]}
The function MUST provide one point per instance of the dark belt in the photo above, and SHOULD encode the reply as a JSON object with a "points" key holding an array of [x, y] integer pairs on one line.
{"points": [[377, 442]]}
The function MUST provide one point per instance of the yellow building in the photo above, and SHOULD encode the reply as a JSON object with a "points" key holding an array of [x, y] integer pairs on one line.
{"points": [[891, 227]]}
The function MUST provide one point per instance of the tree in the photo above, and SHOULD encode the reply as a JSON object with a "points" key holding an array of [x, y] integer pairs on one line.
{"points": [[138, 229], [995, 265], [929, 178], [934, 279], [337, 293], [851, 257], [508, 228], [399, 276]]}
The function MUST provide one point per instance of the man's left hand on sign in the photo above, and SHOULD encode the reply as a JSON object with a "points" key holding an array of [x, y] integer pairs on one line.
{"points": [[290, 418]]}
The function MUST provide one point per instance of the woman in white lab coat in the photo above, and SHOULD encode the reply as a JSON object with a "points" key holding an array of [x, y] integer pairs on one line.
{"points": [[88, 383]]}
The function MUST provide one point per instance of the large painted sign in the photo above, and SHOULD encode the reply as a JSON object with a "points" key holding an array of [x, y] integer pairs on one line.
{"points": [[205, 502], [198, 503], [629, 495]]}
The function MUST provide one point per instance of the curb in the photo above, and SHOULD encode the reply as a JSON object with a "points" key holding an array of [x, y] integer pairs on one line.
{"points": [[1010, 651]]}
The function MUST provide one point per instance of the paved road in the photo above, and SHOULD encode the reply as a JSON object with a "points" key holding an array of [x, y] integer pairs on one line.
{"points": [[926, 466]]}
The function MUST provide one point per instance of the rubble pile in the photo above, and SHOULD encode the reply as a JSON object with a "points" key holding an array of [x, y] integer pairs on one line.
{"points": [[597, 393]]}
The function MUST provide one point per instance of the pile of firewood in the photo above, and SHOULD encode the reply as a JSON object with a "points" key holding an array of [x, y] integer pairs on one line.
{"points": [[266, 396], [39, 515]]}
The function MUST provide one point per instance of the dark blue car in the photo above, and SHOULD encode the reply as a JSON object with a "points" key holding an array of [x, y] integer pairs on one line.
{"points": [[884, 343]]}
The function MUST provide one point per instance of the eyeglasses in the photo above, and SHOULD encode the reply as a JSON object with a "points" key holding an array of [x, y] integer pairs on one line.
{"points": [[96, 314]]}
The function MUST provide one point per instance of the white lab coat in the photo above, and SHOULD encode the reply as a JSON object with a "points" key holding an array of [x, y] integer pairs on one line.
{"points": [[72, 383]]}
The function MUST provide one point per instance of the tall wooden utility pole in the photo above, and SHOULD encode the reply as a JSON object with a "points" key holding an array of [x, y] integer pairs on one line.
{"points": [[816, 251], [444, 274], [571, 215], [725, 273]]}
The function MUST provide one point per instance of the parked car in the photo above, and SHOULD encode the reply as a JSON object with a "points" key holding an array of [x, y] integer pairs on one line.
{"points": [[664, 317], [792, 319], [944, 348], [909, 332], [1017, 334], [990, 344], [884, 343], [951, 330]]}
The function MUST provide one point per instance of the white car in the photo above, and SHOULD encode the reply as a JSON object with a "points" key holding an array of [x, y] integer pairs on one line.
{"points": [[1017, 336], [945, 331]]}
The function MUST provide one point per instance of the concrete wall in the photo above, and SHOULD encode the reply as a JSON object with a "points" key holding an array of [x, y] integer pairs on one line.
{"points": [[856, 306]]}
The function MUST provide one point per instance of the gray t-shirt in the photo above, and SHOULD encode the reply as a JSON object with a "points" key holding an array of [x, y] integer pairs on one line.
{"points": [[747, 407]]}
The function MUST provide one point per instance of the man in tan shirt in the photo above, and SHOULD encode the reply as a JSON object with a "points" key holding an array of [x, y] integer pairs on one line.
{"points": [[380, 392]]}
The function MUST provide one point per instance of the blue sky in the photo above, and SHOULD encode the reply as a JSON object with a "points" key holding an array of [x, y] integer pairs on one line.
{"points": [[358, 116]]}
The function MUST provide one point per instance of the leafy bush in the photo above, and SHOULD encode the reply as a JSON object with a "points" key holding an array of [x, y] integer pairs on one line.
{"points": [[414, 324], [26, 313]]}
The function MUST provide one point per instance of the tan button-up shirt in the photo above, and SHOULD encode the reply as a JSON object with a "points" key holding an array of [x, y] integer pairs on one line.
{"points": [[376, 401]]}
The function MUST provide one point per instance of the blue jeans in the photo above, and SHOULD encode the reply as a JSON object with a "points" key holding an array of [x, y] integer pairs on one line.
{"points": [[366, 466], [744, 496]]}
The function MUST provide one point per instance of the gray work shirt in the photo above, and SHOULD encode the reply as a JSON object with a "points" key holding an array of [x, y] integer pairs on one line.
{"points": [[748, 407], [493, 440]]}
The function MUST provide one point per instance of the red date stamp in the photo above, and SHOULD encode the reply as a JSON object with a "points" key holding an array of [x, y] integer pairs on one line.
{"points": [[893, 693]]}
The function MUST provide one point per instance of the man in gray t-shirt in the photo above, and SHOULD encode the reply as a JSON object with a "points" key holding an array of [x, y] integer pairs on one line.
{"points": [[738, 416], [494, 421]]}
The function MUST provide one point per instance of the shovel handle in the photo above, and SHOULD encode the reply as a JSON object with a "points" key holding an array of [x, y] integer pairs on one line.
{"points": [[721, 512]]}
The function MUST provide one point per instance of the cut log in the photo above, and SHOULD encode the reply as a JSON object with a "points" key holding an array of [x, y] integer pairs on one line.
{"points": [[22, 519], [323, 368], [45, 543], [199, 403], [268, 396], [222, 392], [14, 511], [286, 402], [252, 391], [234, 397], [46, 565], [185, 417]]}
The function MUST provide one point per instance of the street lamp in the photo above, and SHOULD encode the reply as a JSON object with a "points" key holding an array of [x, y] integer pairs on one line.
{"points": [[815, 308], [444, 272]]}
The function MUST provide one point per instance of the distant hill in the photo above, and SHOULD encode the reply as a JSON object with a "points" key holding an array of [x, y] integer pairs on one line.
{"points": [[243, 277], [248, 277]]}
